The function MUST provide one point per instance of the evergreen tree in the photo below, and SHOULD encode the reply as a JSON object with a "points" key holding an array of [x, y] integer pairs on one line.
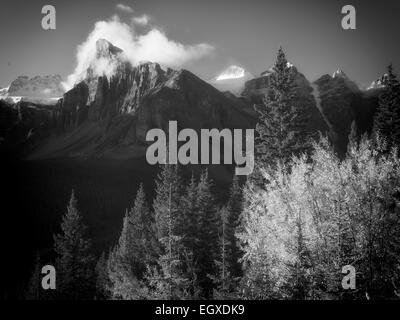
{"points": [[135, 251], [74, 262], [207, 242], [190, 211], [225, 284], [168, 280], [138, 237], [191, 233], [102, 278], [280, 127], [387, 119], [233, 210], [167, 202], [123, 283]]}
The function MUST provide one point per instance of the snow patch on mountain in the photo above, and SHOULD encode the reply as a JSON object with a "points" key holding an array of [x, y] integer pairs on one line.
{"points": [[232, 72], [232, 79]]}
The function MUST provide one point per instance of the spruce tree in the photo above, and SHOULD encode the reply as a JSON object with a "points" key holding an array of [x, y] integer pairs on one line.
{"points": [[387, 119], [135, 251], [102, 279], [280, 127], [207, 242], [224, 283], [168, 279], [140, 237], [234, 209], [190, 211], [74, 264], [167, 201], [191, 233]]}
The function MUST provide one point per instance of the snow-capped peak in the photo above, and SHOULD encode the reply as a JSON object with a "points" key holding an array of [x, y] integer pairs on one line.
{"points": [[232, 72], [377, 84], [339, 74]]}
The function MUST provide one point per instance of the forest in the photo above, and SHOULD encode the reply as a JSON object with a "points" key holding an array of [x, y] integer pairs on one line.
{"points": [[285, 232]]}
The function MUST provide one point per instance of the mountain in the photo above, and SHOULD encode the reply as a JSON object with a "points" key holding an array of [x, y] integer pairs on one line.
{"points": [[232, 79], [39, 89], [108, 113], [331, 103], [377, 84], [255, 89], [36, 87], [339, 74], [341, 102]]}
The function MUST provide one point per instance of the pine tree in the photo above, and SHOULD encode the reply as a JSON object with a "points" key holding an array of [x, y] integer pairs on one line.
{"points": [[123, 284], [280, 127], [225, 284], [234, 210], [207, 242], [102, 279], [191, 233], [167, 201], [135, 251], [74, 263], [190, 211], [140, 235], [387, 119], [168, 279]]}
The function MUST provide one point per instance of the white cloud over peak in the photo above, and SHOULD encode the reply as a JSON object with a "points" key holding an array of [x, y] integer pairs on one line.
{"points": [[152, 46], [124, 8]]}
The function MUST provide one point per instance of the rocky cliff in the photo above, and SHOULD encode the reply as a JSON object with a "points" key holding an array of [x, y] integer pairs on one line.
{"points": [[109, 115]]}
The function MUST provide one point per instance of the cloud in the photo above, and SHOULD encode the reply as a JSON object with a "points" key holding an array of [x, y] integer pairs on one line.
{"points": [[124, 8], [143, 20], [152, 46]]}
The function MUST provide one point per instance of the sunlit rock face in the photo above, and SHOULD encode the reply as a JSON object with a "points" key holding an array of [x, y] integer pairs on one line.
{"points": [[36, 87], [109, 112]]}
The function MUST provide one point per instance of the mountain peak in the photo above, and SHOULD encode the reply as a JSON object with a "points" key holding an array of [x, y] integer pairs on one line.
{"points": [[105, 49], [339, 74], [379, 83]]}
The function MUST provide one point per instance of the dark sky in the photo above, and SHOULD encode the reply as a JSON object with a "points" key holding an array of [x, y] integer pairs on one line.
{"points": [[247, 33]]}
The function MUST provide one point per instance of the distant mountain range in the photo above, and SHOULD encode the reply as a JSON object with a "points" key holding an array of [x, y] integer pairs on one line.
{"points": [[39, 89], [107, 114]]}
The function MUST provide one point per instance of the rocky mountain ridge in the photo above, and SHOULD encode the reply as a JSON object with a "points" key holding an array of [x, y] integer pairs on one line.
{"points": [[108, 112]]}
